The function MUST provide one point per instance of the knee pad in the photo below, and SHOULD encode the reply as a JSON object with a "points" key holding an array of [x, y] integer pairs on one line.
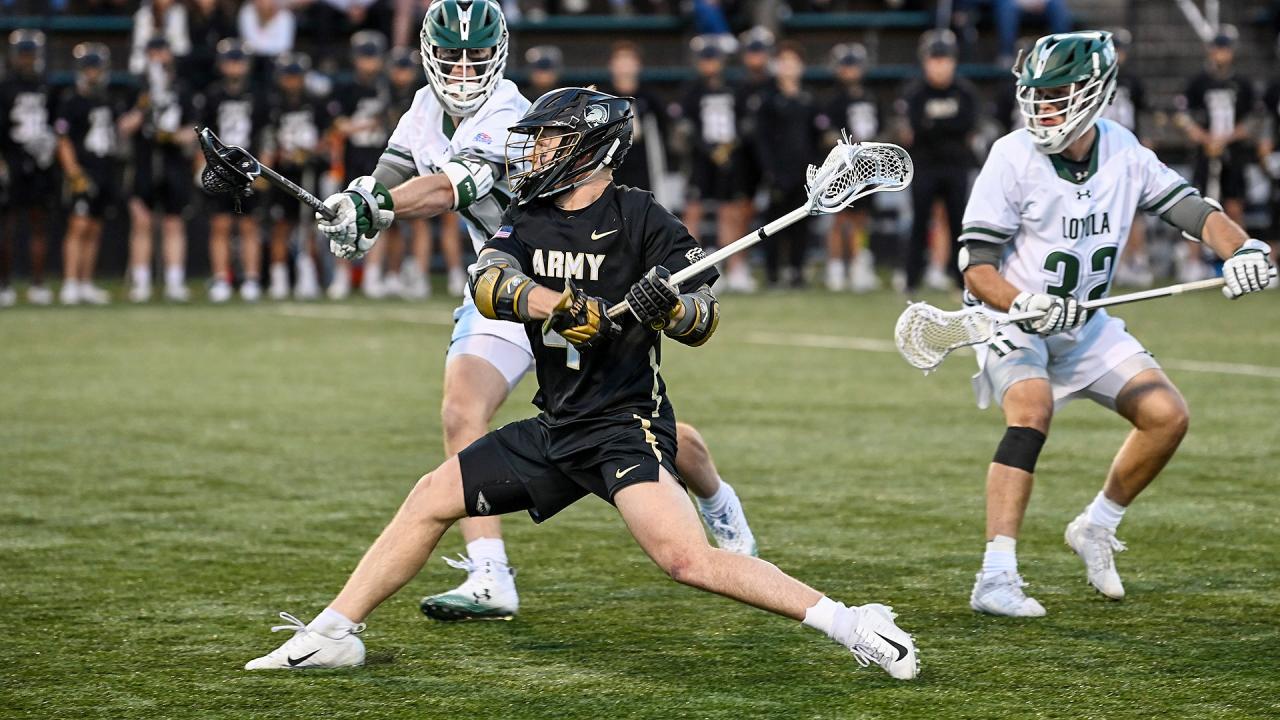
{"points": [[1020, 448]]}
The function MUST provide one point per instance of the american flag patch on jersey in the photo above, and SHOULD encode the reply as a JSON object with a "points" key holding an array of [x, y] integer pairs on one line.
{"points": [[504, 231], [483, 137]]}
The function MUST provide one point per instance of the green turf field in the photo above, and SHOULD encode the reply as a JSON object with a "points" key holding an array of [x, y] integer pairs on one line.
{"points": [[170, 478]]}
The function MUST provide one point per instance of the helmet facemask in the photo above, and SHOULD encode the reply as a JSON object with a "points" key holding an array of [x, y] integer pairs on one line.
{"points": [[543, 157], [1058, 114], [462, 74]]}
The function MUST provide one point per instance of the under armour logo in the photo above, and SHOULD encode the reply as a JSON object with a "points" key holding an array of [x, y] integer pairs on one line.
{"points": [[482, 595], [1082, 194]]}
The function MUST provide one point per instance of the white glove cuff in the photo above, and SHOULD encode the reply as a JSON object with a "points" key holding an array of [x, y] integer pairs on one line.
{"points": [[462, 183], [1254, 245]]}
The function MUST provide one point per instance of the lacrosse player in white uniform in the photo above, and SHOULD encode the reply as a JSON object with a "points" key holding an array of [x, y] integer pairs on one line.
{"points": [[1049, 215], [448, 154]]}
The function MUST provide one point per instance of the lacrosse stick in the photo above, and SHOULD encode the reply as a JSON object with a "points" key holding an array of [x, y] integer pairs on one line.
{"points": [[230, 170], [849, 172], [925, 335]]}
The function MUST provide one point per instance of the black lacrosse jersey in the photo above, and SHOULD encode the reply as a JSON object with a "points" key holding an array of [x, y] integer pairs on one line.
{"points": [[236, 113], [1271, 109], [366, 106], [89, 122], [26, 131], [1129, 103], [1218, 104], [294, 125], [852, 109], [713, 111], [401, 99], [604, 248], [789, 137]]}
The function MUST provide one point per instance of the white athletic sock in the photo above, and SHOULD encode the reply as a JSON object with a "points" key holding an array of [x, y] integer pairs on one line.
{"points": [[1001, 556], [722, 500], [1104, 512], [487, 549], [175, 275], [831, 618], [331, 624], [141, 275]]}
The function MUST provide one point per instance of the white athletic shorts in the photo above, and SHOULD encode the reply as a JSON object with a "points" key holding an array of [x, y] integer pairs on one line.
{"points": [[1094, 361], [503, 344]]}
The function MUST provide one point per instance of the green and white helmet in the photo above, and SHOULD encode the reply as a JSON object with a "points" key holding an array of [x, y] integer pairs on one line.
{"points": [[464, 51], [1064, 83]]}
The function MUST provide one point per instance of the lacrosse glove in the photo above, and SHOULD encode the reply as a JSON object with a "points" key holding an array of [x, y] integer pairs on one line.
{"points": [[1060, 314], [653, 298], [580, 318], [361, 211], [1249, 270]]}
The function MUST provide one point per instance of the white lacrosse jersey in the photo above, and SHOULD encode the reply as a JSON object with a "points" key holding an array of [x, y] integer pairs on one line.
{"points": [[426, 138], [1063, 229]]}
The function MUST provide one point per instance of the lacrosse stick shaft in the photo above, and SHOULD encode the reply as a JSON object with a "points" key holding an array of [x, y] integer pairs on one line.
{"points": [[732, 248], [298, 192], [1151, 294]]}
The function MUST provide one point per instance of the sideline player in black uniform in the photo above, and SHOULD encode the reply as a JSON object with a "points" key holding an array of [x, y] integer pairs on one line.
{"points": [[27, 147], [1269, 152], [162, 178], [294, 124], [606, 426], [708, 114], [854, 109], [359, 108], [647, 160], [88, 151], [1133, 268], [1215, 110], [237, 113]]}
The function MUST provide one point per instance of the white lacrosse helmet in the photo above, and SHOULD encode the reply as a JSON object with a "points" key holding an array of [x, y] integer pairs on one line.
{"points": [[1064, 83], [464, 51]]}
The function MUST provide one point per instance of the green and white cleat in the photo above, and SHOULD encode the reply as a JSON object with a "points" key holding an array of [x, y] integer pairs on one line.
{"points": [[1096, 546], [489, 593]]}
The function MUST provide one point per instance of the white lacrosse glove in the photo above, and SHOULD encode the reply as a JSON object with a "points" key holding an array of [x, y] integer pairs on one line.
{"points": [[1249, 270], [470, 178], [360, 212], [1060, 314]]}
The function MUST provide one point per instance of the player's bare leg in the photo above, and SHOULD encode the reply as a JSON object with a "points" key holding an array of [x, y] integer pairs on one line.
{"points": [[140, 231], [1159, 416], [1028, 410], [220, 257], [174, 244], [416, 280], [660, 518], [451, 248], [862, 264], [71, 244], [37, 293], [837, 272], [371, 281], [251, 258], [278, 287], [718, 503], [732, 218], [473, 391], [90, 241]]}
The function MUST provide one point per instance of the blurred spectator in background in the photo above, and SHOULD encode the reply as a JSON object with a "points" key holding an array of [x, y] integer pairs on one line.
{"points": [[1269, 149], [268, 30], [158, 18], [294, 126], [787, 140], [757, 84], [1126, 108], [208, 21], [163, 116], [941, 113], [237, 113], [1214, 114], [645, 165], [545, 63], [708, 121], [359, 107], [1008, 115], [27, 145], [406, 78], [331, 21], [852, 109], [87, 150], [1008, 17]]}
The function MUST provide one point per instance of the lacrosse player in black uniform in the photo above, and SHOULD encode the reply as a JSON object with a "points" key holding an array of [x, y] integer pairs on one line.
{"points": [[294, 125], [606, 426], [1133, 269], [162, 167], [237, 113], [854, 109], [27, 148], [88, 150], [359, 108]]}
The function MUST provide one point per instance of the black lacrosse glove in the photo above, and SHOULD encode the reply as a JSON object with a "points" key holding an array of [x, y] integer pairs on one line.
{"points": [[652, 298], [580, 318]]}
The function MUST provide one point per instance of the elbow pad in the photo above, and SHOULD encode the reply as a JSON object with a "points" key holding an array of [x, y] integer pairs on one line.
{"points": [[500, 289], [470, 179], [700, 319]]}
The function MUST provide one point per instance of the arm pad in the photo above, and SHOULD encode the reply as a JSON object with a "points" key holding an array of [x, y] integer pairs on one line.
{"points": [[500, 289], [391, 175], [979, 252], [1189, 215], [701, 316]]}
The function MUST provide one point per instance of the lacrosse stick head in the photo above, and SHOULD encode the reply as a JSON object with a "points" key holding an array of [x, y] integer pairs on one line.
{"points": [[925, 335], [228, 170], [851, 171]]}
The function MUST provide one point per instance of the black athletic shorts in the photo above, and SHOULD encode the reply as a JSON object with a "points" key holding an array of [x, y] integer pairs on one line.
{"points": [[1232, 177], [31, 186], [530, 465], [280, 204], [713, 181], [162, 178], [104, 190]]}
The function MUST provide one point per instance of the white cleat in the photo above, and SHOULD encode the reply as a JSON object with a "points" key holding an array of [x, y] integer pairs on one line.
{"points": [[339, 288], [39, 295], [70, 293], [489, 593], [835, 278], [250, 291], [308, 649], [1096, 546], [457, 283], [8, 297], [93, 295], [176, 293], [279, 287], [220, 291], [875, 638], [1001, 594], [935, 278], [140, 294], [731, 531], [862, 273]]}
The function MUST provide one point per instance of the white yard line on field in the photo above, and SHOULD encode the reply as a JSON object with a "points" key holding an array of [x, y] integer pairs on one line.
{"points": [[845, 342]]}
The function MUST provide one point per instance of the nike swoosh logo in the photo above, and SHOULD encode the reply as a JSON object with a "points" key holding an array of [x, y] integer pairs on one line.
{"points": [[619, 473], [294, 662], [596, 236], [902, 649]]}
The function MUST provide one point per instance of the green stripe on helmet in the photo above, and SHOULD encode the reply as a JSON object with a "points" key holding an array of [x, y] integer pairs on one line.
{"points": [[1066, 58], [465, 24]]}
